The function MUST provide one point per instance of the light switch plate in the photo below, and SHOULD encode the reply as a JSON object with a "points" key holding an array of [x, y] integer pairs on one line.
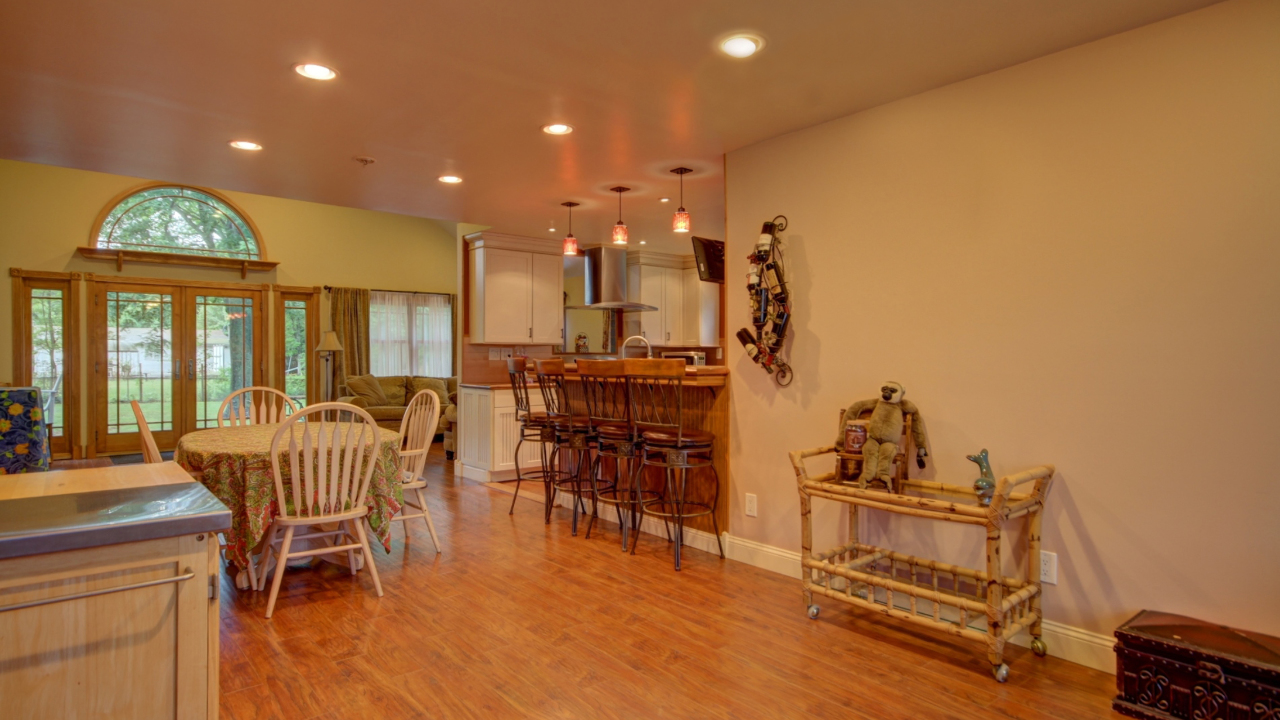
{"points": [[752, 507], [719, 353], [495, 354], [1048, 567]]}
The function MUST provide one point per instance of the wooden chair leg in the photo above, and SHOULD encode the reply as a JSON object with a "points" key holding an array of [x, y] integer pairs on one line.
{"points": [[368, 555], [351, 554], [282, 558], [426, 515], [267, 549]]}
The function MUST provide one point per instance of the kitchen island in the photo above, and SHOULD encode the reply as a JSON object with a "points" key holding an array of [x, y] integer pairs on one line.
{"points": [[489, 431], [108, 593]]}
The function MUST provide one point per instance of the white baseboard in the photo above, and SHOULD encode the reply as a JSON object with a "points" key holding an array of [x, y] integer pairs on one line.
{"points": [[1073, 644]]}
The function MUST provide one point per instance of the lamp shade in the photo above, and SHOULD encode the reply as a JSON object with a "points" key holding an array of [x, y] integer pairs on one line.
{"points": [[570, 244], [329, 342], [680, 223], [619, 234]]}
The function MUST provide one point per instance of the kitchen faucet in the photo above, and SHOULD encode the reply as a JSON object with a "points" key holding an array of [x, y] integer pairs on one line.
{"points": [[648, 348]]}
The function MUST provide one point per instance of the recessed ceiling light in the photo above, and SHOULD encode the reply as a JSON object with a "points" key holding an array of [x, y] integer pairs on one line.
{"points": [[551, 229], [315, 72], [741, 46], [244, 145], [557, 129], [664, 199], [642, 242], [451, 179]]}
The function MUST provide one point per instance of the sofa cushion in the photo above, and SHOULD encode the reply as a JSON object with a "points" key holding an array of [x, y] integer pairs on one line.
{"points": [[386, 412], [393, 387], [367, 388], [436, 385]]}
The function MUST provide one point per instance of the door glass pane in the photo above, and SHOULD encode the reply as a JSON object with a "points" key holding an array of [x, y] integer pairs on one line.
{"points": [[295, 350], [48, 353], [139, 360], [224, 353]]}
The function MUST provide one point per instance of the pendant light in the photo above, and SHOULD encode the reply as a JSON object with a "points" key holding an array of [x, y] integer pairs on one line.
{"points": [[680, 222], [620, 230], [570, 242]]}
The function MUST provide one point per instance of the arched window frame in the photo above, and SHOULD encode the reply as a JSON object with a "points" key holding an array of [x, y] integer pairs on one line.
{"points": [[120, 256]]}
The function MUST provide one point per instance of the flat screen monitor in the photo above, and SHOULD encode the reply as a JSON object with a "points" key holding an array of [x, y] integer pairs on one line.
{"points": [[710, 257]]}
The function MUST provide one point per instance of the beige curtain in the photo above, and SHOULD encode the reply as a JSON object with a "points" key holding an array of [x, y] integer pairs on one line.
{"points": [[349, 315]]}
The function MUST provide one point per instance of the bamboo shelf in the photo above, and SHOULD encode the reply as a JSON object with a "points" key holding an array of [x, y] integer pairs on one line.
{"points": [[924, 592]]}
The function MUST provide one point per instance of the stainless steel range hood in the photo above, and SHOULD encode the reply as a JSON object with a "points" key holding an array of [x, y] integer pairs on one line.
{"points": [[606, 281]]}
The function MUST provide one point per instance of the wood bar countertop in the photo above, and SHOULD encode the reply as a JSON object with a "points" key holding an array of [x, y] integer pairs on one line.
{"points": [[712, 376]]}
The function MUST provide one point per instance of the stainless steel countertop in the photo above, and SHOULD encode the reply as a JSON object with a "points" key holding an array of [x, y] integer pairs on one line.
{"points": [[35, 525]]}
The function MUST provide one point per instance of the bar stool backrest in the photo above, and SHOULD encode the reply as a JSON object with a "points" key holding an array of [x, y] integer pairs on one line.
{"points": [[551, 379], [656, 391], [519, 386], [604, 383]]}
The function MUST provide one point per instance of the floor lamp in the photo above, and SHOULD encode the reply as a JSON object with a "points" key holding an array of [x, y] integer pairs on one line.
{"points": [[328, 346]]}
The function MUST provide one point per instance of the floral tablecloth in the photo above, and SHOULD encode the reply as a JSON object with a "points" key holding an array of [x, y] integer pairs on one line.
{"points": [[235, 464]]}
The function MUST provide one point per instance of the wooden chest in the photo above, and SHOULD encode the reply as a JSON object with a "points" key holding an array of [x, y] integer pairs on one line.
{"points": [[1170, 666]]}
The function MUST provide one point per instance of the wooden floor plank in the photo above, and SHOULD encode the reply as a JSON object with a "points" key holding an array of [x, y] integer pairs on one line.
{"points": [[519, 619]]}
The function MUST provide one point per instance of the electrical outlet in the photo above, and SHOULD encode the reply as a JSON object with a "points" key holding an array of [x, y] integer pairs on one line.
{"points": [[751, 505], [1048, 567], [495, 354]]}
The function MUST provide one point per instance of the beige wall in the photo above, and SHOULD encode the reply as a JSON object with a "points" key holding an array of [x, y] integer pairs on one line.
{"points": [[1072, 261], [46, 212]]}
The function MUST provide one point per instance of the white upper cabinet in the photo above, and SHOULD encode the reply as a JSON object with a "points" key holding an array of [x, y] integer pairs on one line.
{"points": [[688, 313], [517, 290]]}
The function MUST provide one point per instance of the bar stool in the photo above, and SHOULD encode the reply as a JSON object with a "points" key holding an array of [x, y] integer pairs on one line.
{"points": [[534, 427], [573, 438], [604, 385], [656, 389]]}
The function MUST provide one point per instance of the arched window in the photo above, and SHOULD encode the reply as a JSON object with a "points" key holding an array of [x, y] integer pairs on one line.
{"points": [[181, 220]]}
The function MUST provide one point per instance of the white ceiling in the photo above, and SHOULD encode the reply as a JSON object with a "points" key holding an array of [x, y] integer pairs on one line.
{"points": [[156, 89]]}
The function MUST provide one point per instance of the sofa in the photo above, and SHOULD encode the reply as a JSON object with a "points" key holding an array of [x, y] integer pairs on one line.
{"points": [[385, 398]]}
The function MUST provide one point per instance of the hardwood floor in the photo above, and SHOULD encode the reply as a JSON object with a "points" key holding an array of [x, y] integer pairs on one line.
{"points": [[517, 619]]}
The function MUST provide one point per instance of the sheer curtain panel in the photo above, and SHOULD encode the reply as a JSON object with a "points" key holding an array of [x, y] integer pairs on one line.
{"points": [[410, 334]]}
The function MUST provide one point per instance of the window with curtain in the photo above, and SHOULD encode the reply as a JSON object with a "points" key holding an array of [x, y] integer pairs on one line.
{"points": [[410, 334]]}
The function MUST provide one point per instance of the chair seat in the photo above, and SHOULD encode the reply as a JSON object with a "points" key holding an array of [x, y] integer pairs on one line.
{"points": [[580, 422], [614, 430], [667, 437]]}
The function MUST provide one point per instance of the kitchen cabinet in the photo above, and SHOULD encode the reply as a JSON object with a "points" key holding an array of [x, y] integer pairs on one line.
{"points": [[688, 313], [109, 582], [490, 430], [516, 290]]}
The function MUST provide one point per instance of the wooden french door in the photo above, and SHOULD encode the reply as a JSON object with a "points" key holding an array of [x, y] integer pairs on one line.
{"points": [[179, 350]]}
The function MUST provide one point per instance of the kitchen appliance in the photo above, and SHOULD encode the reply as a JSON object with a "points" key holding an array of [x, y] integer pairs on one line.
{"points": [[690, 357], [606, 281]]}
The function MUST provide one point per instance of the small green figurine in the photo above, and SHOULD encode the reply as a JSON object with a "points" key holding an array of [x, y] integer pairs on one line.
{"points": [[985, 486]]}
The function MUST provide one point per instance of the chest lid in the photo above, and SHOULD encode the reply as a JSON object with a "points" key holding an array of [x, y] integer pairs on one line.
{"points": [[1250, 649]]}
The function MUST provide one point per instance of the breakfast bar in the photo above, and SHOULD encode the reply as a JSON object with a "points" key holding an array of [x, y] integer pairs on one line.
{"points": [[490, 430]]}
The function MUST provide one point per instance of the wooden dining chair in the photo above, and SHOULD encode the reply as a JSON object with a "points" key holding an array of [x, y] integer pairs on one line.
{"points": [[150, 453], [417, 430], [325, 478], [254, 406]]}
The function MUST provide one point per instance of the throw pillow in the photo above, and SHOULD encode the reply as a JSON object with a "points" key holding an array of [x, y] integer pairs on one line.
{"points": [[367, 388], [437, 385]]}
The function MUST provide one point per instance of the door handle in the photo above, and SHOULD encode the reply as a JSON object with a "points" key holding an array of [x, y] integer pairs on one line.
{"points": [[191, 369]]}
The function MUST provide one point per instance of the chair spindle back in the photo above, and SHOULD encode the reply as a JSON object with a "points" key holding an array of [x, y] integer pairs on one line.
{"points": [[150, 453], [604, 383], [656, 391], [329, 463], [255, 406], [417, 430]]}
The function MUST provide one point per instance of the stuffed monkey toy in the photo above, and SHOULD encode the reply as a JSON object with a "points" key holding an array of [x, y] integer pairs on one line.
{"points": [[885, 431]]}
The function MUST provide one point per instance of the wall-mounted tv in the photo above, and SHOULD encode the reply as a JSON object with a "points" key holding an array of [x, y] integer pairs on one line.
{"points": [[710, 257]]}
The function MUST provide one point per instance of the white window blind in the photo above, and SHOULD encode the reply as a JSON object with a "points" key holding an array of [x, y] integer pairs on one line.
{"points": [[410, 334]]}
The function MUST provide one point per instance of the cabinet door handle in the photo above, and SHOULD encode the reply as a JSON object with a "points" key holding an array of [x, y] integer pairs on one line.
{"points": [[531, 332], [95, 593], [668, 337]]}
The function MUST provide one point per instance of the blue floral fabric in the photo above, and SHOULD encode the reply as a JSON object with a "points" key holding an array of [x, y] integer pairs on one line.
{"points": [[24, 436]]}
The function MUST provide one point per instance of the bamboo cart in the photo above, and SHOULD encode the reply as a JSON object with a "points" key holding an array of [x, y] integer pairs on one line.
{"points": [[921, 591]]}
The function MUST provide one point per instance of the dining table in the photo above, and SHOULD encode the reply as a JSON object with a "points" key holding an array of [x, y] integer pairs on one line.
{"points": [[234, 463]]}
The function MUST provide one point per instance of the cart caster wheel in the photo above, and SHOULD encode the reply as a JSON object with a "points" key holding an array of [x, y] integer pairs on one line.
{"points": [[1000, 672], [813, 612], [1039, 648]]}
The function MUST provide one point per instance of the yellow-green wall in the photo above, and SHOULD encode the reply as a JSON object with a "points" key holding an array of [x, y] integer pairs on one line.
{"points": [[47, 212]]}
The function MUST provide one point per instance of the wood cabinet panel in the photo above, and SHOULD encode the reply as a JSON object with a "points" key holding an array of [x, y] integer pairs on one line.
{"points": [[145, 652], [547, 300]]}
